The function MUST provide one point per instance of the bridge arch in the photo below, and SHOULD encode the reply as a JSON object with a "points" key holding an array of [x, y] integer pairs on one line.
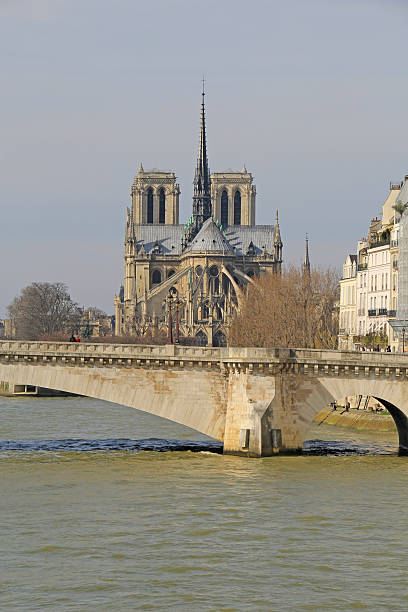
{"points": [[316, 394], [180, 395]]}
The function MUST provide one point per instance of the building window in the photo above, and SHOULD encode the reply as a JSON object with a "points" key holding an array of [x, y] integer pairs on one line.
{"points": [[156, 277], [219, 339], [201, 339], [162, 206], [224, 209], [150, 205], [237, 208]]}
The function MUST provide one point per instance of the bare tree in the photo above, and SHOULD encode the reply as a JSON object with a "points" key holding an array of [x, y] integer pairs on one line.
{"points": [[294, 309], [44, 309]]}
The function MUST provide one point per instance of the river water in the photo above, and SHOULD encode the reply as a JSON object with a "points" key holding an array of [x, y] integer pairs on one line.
{"points": [[106, 508]]}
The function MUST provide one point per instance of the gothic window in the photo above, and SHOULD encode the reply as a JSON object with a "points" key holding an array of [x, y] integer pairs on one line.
{"points": [[214, 271], [170, 273], [201, 339], [156, 277], [219, 339], [150, 205], [237, 208], [224, 208], [162, 206]]}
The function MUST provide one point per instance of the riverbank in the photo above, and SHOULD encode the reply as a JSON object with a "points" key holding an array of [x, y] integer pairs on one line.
{"points": [[360, 420]]}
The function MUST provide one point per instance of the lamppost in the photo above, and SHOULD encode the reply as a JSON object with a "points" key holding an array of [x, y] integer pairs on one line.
{"points": [[403, 340], [177, 339], [170, 330]]}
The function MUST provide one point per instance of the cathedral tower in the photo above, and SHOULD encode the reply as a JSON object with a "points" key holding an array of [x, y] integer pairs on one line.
{"points": [[155, 197], [233, 197]]}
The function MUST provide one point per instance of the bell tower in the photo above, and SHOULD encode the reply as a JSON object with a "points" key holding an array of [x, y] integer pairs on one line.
{"points": [[155, 197]]}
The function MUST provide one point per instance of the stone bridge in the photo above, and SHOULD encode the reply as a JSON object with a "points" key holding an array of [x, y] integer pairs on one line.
{"points": [[256, 401]]}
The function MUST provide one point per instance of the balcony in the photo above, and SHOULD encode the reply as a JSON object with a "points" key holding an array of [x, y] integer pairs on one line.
{"points": [[362, 266], [380, 243], [380, 312], [392, 313], [394, 243]]}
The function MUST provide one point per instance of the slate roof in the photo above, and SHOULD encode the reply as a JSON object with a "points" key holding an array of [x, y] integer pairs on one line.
{"points": [[239, 236], [403, 194], [209, 238], [168, 236]]}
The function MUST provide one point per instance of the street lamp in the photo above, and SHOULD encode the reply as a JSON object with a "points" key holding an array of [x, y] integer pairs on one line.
{"points": [[403, 339], [177, 340], [170, 330]]}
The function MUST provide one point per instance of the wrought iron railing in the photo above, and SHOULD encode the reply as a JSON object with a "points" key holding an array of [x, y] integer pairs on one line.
{"points": [[374, 245]]}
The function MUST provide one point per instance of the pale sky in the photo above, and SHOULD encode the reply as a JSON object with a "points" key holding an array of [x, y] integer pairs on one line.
{"points": [[310, 95]]}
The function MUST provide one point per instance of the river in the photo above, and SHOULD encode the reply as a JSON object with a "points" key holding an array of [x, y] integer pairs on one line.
{"points": [[96, 513]]}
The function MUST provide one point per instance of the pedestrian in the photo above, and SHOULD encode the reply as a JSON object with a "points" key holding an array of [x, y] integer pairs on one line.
{"points": [[348, 407], [72, 338], [77, 339]]}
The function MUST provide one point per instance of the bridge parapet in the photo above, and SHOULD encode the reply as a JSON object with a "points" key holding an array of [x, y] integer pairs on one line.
{"points": [[307, 361]]}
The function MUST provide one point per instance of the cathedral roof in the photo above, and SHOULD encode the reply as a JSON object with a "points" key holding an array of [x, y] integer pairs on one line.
{"points": [[168, 236], [238, 237], [241, 236], [210, 238]]}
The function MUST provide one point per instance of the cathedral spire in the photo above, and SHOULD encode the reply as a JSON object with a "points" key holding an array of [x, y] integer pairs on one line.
{"points": [[306, 264], [202, 189]]}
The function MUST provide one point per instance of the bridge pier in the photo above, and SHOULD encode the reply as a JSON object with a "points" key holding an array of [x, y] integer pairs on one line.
{"points": [[259, 419]]}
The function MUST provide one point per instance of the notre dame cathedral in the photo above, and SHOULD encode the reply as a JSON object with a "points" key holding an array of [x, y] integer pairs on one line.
{"points": [[204, 264]]}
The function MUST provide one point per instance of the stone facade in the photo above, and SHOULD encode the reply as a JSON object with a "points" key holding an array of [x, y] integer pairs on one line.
{"points": [[204, 264], [347, 314], [372, 276]]}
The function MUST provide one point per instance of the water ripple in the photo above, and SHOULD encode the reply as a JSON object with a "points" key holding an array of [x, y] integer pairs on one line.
{"points": [[111, 444], [311, 447]]}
